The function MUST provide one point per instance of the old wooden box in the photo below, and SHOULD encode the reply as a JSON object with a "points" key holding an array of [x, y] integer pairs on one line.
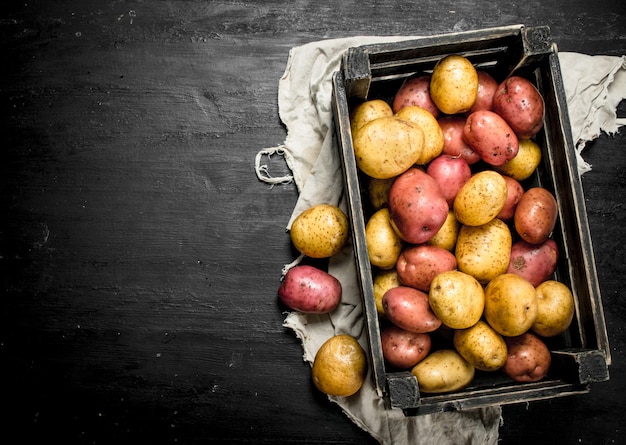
{"points": [[580, 356]]}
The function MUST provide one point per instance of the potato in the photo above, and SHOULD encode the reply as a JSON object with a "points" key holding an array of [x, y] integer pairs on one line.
{"points": [[454, 84], [383, 281], [433, 136], [535, 215], [514, 192], [491, 137], [383, 243], [443, 371], [310, 290], [415, 91], [387, 146], [487, 87], [555, 308], [451, 173], [457, 299], [417, 206], [520, 103], [453, 142], [320, 231], [339, 367], [528, 358], [368, 111], [408, 308], [481, 346], [534, 262], [481, 198], [418, 265], [404, 349], [446, 236], [484, 251], [378, 192], [524, 164], [510, 304]]}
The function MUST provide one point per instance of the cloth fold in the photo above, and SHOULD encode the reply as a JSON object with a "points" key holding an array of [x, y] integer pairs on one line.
{"points": [[594, 85]]}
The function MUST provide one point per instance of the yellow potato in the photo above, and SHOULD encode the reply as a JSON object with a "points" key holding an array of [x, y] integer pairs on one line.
{"points": [[446, 236], [481, 346], [457, 299], [481, 198], [555, 308], [320, 231], [368, 111], [484, 251], [383, 243], [378, 191], [387, 146], [454, 84], [383, 281], [339, 366], [510, 304], [433, 134], [443, 371], [524, 164]]}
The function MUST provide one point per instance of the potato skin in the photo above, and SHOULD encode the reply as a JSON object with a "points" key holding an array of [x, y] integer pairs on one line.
{"points": [[320, 231], [481, 346], [510, 304], [484, 251], [457, 299], [535, 215], [556, 308], [481, 198], [453, 142], [417, 206], [451, 173], [408, 308], [454, 84], [491, 137], [487, 87], [368, 111], [443, 371], [387, 146], [534, 262], [528, 358], [310, 290], [340, 366], [520, 103], [404, 349], [433, 136], [415, 91], [418, 265], [513, 195], [383, 243]]}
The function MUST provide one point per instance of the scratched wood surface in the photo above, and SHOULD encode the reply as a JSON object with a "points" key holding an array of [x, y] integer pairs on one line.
{"points": [[140, 254]]}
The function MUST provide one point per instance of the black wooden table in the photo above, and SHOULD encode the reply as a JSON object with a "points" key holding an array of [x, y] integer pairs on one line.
{"points": [[140, 253]]}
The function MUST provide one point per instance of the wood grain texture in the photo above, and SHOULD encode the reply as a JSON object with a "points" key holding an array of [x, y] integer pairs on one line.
{"points": [[140, 254]]}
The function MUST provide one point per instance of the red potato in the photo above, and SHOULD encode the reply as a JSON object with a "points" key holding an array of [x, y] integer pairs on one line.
{"points": [[535, 262], [520, 103], [535, 215], [408, 309], [417, 206], [528, 358], [513, 196], [310, 290], [451, 173], [453, 142], [404, 349], [418, 265], [415, 91], [491, 137], [487, 87]]}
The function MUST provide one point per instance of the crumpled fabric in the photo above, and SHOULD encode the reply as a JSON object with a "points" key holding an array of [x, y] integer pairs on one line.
{"points": [[594, 86]]}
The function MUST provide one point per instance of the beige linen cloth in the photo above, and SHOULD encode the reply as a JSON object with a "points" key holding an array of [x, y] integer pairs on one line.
{"points": [[594, 86]]}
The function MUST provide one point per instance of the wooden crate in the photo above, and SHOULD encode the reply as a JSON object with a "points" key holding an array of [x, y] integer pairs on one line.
{"points": [[580, 356]]}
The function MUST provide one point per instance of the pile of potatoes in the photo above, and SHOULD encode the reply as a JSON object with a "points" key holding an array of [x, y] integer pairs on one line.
{"points": [[461, 250]]}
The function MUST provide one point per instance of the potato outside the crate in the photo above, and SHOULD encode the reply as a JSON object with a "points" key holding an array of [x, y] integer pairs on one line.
{"points": [[320, 231], [339, 366], [443, 371], [387, 146], [481, 346], [454, 84]]}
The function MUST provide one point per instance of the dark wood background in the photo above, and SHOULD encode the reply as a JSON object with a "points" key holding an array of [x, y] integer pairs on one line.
{"points": [[141, 255]]}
